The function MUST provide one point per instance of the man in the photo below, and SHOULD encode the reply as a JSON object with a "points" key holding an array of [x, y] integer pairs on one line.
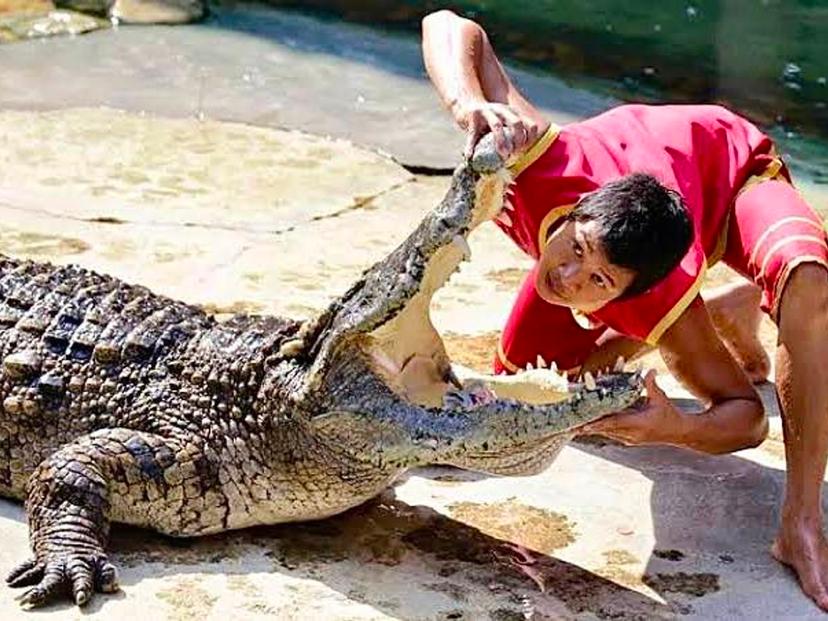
{"points": [[592, 296]]}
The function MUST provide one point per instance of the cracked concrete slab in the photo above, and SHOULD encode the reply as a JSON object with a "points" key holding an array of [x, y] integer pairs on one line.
{"points": [[606, 532], [102, 163]]}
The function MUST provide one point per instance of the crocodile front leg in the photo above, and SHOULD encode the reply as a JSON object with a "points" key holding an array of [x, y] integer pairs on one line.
{"points": [[73, 495]]}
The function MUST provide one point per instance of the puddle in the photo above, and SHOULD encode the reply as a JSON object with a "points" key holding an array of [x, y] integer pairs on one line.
{"points": [[531, 527], [697, 585], [669, 555]]}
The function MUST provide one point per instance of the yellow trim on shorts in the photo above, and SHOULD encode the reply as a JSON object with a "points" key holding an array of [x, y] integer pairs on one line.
{"points": [[785, 241], [674, 313], [528, 157], [775, 226], [779, 287], [773, 171]]}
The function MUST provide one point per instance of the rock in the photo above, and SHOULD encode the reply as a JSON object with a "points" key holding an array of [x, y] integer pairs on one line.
{"points": [[157, 11], [60, 22]]}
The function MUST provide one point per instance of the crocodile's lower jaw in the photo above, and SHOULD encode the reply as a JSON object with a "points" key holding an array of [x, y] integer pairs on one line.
{"points": [[407, 351]]}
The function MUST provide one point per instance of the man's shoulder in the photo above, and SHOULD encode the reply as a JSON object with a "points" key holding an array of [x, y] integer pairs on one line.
{"points": [[679, 113]]}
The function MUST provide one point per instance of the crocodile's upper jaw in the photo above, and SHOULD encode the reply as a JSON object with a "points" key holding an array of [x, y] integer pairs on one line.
{"points": [[407, 350]]}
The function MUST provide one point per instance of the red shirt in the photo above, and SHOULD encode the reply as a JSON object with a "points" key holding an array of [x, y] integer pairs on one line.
{"points": [[706, 153]]}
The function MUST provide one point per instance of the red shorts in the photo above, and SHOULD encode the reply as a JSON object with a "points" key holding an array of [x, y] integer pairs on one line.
{"points": [[770, 231]]}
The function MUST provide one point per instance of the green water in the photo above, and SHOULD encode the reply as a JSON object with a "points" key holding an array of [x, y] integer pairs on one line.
{"points": [[766, 58]]}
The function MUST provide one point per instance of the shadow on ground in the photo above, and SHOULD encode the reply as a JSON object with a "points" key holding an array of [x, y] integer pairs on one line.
{"points": [[390, 535]]}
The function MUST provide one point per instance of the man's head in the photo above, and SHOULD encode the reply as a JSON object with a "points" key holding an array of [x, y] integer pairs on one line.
{"points": [[618, 242]]}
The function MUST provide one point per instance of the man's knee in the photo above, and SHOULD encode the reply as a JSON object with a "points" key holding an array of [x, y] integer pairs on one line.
{"points": [[804, 300]]}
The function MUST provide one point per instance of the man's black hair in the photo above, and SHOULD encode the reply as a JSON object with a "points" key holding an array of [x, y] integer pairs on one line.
{"points": [[643, 226]]}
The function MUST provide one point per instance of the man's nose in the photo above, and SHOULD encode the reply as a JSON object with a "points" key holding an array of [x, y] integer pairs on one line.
{"points": [[568, 270]]}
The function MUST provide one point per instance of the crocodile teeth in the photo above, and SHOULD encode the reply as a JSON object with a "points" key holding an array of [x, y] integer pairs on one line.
{"points": [[553, 367], [619, 364], [463, 245], [504, 218], [541, 362], [589, 381], [529, 366]]}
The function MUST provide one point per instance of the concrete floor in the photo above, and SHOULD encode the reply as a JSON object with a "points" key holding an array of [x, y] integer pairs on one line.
{"points": [[609, 532], [243, 218]]}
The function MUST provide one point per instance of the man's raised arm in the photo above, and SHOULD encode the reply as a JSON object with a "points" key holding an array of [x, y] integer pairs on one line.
{"points": [[474, 87]]}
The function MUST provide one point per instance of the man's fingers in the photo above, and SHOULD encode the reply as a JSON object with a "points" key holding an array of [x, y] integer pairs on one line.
{"points": [[474, 130], [532, 134], [503, 143], [613, 424], [510, 131], [654, 392], [515, 127], [471, 140]]}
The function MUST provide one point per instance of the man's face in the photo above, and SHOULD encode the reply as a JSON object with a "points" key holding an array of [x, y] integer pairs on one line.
{"points": [[574, 271]]}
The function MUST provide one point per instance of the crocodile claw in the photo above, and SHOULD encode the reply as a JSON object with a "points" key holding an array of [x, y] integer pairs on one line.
{"points": [[79, 574]]}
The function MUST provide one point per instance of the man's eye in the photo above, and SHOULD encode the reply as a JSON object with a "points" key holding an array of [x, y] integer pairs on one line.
{"points": [[579, 252], [600, 282]]}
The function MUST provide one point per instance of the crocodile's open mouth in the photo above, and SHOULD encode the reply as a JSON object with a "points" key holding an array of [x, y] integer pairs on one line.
{"points": [[386, 314], [406, 350]]}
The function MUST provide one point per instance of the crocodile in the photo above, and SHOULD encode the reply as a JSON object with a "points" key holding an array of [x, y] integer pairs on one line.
{"points": [[120, 405]]}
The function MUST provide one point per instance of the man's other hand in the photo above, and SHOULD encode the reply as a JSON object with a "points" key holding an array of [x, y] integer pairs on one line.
{"points": [[656, 420]]}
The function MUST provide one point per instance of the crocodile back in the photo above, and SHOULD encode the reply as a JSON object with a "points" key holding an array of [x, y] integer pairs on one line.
{"points": [[79, 349]]}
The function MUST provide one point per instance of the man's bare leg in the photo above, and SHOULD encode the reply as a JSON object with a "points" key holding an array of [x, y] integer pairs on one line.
{"points": [[734, 309], [802, 360]]}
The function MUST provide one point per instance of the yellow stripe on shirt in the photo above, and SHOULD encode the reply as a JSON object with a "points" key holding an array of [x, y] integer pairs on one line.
{"points": [[674, 313], [528, 157]]}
